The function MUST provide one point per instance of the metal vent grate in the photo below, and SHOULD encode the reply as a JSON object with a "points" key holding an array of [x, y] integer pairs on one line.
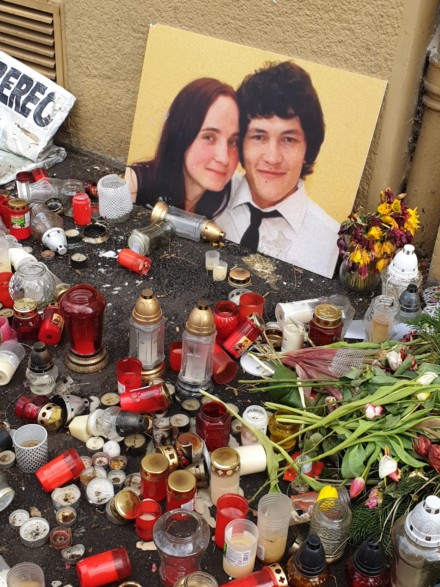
{"points": [[30, 31]]}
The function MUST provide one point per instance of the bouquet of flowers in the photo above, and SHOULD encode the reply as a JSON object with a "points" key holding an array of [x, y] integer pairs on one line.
{"points": [[368, 241]]}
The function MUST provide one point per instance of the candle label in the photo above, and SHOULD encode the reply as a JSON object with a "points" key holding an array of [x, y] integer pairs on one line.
{"points": [[243, 344]]}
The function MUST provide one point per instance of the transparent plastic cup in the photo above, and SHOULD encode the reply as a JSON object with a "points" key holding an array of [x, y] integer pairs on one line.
{"points": [[31, 449], [240, 548], [25, 575], [211, 260], [274, 511]]}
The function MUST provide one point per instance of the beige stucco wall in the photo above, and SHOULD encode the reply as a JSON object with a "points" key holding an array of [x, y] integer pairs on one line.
{"points": [[106, 40]]}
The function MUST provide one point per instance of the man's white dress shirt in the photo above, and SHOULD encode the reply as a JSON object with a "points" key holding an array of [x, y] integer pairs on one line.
{"points": [[303, 235]]}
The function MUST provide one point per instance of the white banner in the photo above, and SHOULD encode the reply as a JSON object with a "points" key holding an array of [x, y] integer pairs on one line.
{"points": [[32, 108]]}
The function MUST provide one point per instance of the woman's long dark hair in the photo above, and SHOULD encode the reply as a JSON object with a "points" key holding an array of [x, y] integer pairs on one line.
{"points": [[182, 125]]}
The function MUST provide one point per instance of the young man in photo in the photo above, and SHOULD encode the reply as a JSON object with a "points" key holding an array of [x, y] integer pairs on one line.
{"points": [[281, 131]]}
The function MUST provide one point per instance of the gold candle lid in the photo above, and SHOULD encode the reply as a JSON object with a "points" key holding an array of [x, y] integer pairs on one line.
{"points": [[181, 481], [201, 320], [154, 466], [126, 502], [170, 453], [225, 461], [147, 309], [25, 305], [239, 276], [211, 232], [51, 417], [159, 211], [327, 316], [17, 204]]}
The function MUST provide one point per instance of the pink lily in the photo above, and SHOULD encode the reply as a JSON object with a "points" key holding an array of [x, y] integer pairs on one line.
{"points": [[357, 486]]}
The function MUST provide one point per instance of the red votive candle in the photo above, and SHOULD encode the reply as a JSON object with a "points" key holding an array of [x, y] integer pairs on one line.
{"points": [[129, 373], [226, 318], [147, 514], [250, 303], [224, 369], [176, 355], [154, 398], [5, 298], [106, 567], [229, 507], [134, 261], [60, 470]]}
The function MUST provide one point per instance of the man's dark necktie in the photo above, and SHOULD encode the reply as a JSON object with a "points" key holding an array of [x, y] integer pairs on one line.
{"points": [[252, 235]]}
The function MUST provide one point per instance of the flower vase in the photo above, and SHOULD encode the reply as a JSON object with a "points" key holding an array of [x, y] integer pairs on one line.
{"points": [[353, 281]]}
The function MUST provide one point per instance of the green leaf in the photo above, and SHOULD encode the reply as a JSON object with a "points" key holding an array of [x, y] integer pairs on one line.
{"points": [[356, 460], [390, 422], [346, 471], [404, 456], [287, 395]]}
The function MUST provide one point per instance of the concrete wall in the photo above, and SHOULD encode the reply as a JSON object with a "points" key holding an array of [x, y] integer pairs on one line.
{"points": [[106, 40]]}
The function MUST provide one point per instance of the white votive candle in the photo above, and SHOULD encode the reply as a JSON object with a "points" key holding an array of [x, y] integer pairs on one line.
{"points": [[293, 337], [220, 271]]}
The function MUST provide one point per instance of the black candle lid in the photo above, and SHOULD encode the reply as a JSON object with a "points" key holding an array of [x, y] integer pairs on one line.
{"points": [[310, 558], [369, 558], [40, 360]]}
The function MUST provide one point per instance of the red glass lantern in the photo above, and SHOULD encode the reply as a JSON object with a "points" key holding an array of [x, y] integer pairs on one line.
{"points": [[226, 319], [82, 308]]}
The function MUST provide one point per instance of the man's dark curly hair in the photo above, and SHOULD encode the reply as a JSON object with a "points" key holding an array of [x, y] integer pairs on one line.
{"points": [[285, 90]]}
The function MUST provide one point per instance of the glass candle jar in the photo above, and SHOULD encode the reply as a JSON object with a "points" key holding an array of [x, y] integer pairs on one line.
{"points": [[82, 308], [308, 567], [255, 416], [226, 319], [155, 469], [147, 331], [326, 325], [33, 280], [157, 234], [380, 318], [82, 209], [225, 473], [368, 566], [188, 224], [243, 337], [331, 519], [181, 538], [42, 373], [28, 407], [197, 579], [213, 425], [181, 490], [26, 320], [281, 432], [19, 218]]}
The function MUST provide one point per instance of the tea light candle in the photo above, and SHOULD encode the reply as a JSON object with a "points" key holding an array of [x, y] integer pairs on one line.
{"points": [[293, 337], [211, 259], [220, 271]]}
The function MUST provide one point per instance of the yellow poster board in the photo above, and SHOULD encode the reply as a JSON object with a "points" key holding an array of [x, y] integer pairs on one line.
{"points": [[351, 103]]}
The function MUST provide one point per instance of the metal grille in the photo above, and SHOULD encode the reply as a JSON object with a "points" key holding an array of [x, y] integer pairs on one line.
{"points": [[30, 31]]}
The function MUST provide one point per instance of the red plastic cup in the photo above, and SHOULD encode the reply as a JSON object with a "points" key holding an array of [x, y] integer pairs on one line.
{"points": [[60, 470], [107, 567], [134, 261], [39, 173], [230, 506], [151, 399], [5, 212], [129, 373], [176, 355], [250, 303], [147, 514], [224, 369]]}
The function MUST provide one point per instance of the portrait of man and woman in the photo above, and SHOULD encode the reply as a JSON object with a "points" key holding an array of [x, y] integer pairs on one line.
{"points": [[240, 156]]}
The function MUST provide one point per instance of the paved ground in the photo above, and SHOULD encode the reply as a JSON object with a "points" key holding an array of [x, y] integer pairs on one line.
{"points": [[179, 279]]}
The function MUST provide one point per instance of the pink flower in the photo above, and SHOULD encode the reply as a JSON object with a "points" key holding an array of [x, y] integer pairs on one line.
{"points": [[372, 411], [395, 476], [375, 498], [357, 486]]}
